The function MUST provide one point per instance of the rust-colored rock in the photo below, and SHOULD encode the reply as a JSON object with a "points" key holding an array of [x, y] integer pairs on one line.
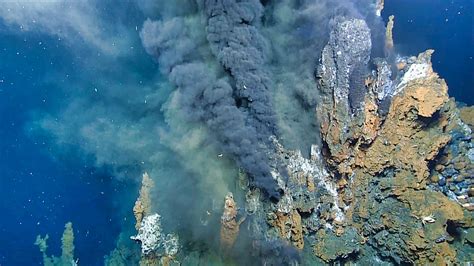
{"points": [[229, 224], [404, 142], [289, 227], [401, 145], [372, 120], [142, 206]]}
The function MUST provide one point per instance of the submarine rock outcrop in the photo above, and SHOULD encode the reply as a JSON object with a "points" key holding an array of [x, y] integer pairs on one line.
{"points": [[343, 59], [367, 189], [67, 248], [142, 205], [385, 159], [229, 222], [391, 181], [157, 248]]}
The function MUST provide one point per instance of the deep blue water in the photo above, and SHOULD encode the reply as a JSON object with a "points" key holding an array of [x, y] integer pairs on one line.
{"points": [[43, 187], [41, 190], [445, 26]]}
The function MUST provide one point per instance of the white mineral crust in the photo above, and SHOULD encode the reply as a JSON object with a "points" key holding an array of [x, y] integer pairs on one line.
{"points": [[149, 233]]}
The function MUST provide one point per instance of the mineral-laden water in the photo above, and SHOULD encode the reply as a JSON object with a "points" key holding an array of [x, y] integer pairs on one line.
{"points": [[211, 99]]}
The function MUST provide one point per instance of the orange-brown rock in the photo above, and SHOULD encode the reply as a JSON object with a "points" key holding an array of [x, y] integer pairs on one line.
{"points": [[372, 119], [405, 141], [401, 65], [412, 134], [142, 205], [229, 224], [289, 227]]}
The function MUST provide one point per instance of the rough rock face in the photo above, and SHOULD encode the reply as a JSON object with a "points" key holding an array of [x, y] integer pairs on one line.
{"points": [[404, 127], [142, 206], [67, 248], [348, 50], [467, 115], [330, 246], [149, 233], [308, 192], [156, 247], [454, 168], [389, 35], [383, 160], [366, 195], [391, 182], [229, 223]]}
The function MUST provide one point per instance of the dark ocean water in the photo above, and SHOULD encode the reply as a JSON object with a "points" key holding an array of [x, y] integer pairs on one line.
{"points": [[447, 26], [41, 190], [41, 187]]}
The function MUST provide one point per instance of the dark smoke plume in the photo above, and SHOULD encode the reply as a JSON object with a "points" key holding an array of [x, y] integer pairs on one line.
{"points": [[231, 74], [232, 99]]}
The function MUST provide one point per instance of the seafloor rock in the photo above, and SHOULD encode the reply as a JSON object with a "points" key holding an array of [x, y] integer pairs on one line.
{"points": [[156, 247], [346, 54], [406, 141], [467, 115], [391, 184], [67, 248], [149, 233], [389, 35], [289, 227], [454, 166], [407, 220], [368, 189], [155, 244], [330, 247], [386, 159], [229, 223], [142, 206], [309, 193]]}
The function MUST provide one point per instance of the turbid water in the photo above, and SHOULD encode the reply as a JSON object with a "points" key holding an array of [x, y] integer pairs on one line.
{"points": [[90, 56]]}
